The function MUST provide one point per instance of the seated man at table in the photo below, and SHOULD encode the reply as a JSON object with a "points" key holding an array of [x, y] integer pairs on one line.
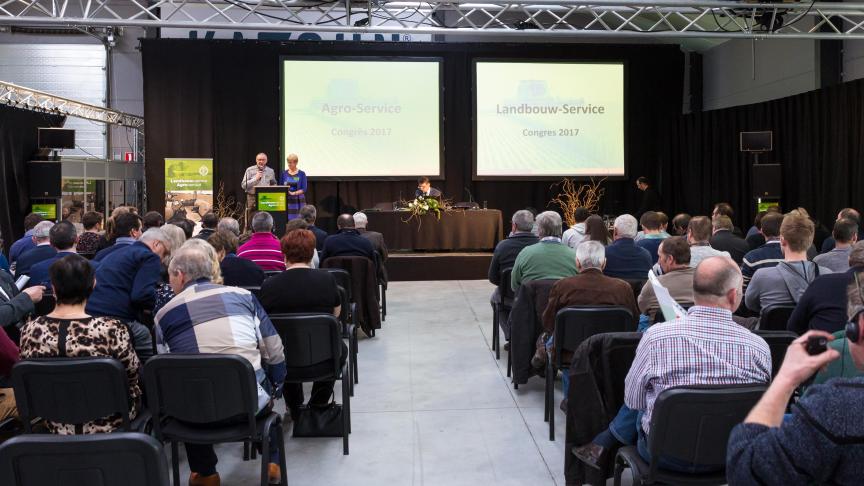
{"points": [[548, 259], [424, 188], [347, 241]]}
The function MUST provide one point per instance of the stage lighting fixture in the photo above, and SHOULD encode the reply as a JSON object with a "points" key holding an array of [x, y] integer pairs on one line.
{"points": [[765, 20]]}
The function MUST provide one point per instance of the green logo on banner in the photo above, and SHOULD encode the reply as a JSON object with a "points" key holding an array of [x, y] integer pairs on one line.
{"points": [[271, 201], [189, 175]]}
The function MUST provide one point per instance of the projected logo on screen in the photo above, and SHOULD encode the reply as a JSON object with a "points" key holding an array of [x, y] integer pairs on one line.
{"points": [[549, 119]]}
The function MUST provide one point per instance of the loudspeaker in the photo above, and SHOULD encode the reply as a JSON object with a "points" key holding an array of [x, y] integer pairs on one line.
{"points": [[44, 179], [767, 181]]}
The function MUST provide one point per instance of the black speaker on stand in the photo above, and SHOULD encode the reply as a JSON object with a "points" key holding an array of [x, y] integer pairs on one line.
{"points": [[766, 180]]}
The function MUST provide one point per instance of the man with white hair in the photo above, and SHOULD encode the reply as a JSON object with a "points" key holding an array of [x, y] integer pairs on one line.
{"points": [[704, 347], [230, 225], [623, 258], [374, 237], [547, 259], [41, 252], [204, 317], [126, 285]]}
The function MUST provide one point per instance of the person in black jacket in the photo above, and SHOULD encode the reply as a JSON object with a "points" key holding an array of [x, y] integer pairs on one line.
{"points": [[724, 240], [650, 197], [237, 272], [310, 215], [347, 241], [505, 255], [41, 252]]}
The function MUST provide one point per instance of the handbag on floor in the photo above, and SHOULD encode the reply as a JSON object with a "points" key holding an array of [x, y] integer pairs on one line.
{"points": [[316, 421]]}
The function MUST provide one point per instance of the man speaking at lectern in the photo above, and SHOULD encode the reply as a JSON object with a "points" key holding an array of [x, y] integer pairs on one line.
{"points": [[424, 188], [257, 175]]}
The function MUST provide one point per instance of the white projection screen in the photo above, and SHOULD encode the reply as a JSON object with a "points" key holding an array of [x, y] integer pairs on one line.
{"points": [[362, 117], [548, 119]]}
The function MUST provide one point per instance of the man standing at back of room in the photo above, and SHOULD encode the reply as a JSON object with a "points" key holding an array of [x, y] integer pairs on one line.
{"points": [[650, 197]]}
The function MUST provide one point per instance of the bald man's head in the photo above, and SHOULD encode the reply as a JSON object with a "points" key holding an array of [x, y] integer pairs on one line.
{"points": [[345, 221], [717, 283]]}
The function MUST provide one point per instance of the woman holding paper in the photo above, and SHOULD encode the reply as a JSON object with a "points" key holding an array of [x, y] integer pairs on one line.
{"points": [[295, 179]]}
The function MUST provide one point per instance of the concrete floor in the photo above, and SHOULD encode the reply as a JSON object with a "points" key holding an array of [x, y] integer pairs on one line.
{"points": [[433, 406]]}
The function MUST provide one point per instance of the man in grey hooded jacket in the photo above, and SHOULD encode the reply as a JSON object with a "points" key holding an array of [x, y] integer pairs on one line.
{"points": [[784, 284]]}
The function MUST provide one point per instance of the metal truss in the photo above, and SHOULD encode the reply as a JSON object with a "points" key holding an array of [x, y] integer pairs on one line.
{"points": [[554, 18], [20, 96]]}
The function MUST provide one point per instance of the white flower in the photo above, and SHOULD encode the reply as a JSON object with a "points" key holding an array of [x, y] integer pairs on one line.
{"points": [[425, 207]]}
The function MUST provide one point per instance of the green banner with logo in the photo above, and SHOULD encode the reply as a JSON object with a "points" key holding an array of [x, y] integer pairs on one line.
{"points": [[189, 175], [77, 186], [271, 201]]}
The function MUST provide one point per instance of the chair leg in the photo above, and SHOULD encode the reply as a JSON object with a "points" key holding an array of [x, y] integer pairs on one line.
{"points": [[383, 303], [509, 363], [245, 450], [175, 463], [265, 458], [552, 411], [494, 323], [346, 413], [283, 464], [547, 410], [619, 469], [356, 373], [496, 335]]}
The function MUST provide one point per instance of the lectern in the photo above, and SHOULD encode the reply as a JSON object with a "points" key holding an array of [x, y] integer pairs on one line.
{"points": [[273, 199]]}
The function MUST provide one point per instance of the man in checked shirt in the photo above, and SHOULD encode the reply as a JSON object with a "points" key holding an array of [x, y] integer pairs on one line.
{"points": [[705, 347]]}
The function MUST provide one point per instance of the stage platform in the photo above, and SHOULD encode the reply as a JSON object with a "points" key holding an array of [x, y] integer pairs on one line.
{"points": [[408, 266]]}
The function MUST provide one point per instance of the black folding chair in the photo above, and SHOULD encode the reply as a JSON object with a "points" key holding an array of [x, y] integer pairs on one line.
{"points": [[188, 393], [504, 305], [348, 318], [256, 290], [775, 318], [310, 339], [690, 425], [270, 273], [74, 391], [127, 458], [572, 326], [636, 284], [778, 342]]}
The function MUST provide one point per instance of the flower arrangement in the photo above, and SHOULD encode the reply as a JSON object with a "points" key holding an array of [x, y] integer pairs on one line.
{"points": [[422, 205]]}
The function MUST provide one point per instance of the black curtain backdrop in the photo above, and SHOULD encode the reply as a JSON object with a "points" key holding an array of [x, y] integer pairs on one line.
{"points": [[221, 99], [817, 141], [18, 143]]}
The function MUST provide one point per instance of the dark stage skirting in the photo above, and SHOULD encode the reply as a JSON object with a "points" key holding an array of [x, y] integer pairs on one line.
{"points": [[438, 266], [457, 230]]}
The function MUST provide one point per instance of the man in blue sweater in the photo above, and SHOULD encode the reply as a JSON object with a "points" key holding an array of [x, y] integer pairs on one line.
{"points": [[63, 238], [623, 258], [822, 440], [126, 285]]}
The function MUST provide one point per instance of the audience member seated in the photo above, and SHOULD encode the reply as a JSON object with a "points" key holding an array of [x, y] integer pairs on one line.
{"points": [[595, 230], [175, 239], [819, 440], [263, 248], [303, 289], [767, 255], [300, 223], [623, 258], [187, 226], [698, 235], [677, 278], [652, 234], [663, 220], [845, 235], [755, 238], [72, 278], [705, 347], [725, 209], [8, 357], [724, 240], [4, 263], [576, 233], [209, 223], [41, 251], [680, 223], [374, 237], [152, 219], [127, 229], [310, 214], [508, 249], [845, 213], [63, 239], [843, 367], [823, 305], [347, 241], [127, 286], [547, 259], [108, 237], [205, 317], [236, 272], [25, 242], [15, 305], [88, 241], [230, 225], [785, 283]]}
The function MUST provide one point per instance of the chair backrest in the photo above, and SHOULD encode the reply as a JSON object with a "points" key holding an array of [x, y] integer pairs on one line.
{"points": [[256, 290], [270, 273], [343, 279], [309, 339], [127, 458], [778, 342], [504, 284], [692, 424], [200, 388], [573, 325], [636, 284], [71, 390], [775, 318]]}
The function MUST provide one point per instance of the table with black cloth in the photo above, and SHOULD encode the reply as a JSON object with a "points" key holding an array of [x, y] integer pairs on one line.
{"points": [[457, 230]]}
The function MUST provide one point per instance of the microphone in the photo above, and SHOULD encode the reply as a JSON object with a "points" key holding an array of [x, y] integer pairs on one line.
{"points": [[470, 196]]}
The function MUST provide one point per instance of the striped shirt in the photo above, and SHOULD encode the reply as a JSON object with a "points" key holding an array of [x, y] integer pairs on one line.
{"points": [[704, 348], [264, 250], [210, 318], [766, 256]]}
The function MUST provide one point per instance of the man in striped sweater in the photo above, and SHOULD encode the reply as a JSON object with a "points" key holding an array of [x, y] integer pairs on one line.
{"points": [[767, 255], [263, 248]]}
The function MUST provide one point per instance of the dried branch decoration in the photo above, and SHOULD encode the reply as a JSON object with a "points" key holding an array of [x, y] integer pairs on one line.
{"points": [[227, 206], [572, 196]]}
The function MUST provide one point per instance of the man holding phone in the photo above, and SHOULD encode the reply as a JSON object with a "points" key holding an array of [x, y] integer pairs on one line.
{"points": [[257, 175], [822, 440]]}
